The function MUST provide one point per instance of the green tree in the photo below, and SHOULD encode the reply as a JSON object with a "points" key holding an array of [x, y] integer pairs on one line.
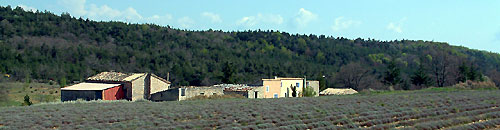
{"points": [[27, 101], [420, 77], [309, 92], [228, 71], [63, 82], [393, 74], [322, 82], [294, 90], [463, 73]]}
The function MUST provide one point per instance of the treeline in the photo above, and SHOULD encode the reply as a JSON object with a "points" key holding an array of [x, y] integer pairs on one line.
{"points": [[44, 46]]}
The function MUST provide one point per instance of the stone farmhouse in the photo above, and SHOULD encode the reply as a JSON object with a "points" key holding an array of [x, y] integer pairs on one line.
{"points": [[271, 88], [115, 86], [147, 86]]}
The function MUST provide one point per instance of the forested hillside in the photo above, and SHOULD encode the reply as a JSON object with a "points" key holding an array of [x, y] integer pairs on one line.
{"points": [[44, 46]]}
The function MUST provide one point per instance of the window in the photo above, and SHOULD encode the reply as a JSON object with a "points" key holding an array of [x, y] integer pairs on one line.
{"points": [[275, 95], [307, 84], [183, 92], [214, 93], [267, 88], [202, 93], [298, 85]]}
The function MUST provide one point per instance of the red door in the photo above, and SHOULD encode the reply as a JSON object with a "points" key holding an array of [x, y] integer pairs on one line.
{"points": [[114, 93]]}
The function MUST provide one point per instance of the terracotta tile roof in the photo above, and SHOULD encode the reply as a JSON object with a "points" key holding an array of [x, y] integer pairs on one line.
{"points": [[115, 76]]}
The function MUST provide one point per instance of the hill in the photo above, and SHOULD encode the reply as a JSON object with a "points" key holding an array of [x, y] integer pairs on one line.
{"points": [[412, 110], [44, 46]]}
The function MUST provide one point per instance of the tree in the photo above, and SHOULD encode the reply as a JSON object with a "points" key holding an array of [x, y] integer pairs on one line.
{"points": [[443, 65], [27, 101], [294, 90], [352, 76], [228, 71], [420, 77], [392, 74], [309, 92], [463, 71], [322, 82], [62, 82]]}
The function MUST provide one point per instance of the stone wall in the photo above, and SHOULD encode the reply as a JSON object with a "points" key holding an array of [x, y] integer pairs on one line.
{"points": [[68, 95], [167, 95], [191, 91], [140, 88], [158, 85]]}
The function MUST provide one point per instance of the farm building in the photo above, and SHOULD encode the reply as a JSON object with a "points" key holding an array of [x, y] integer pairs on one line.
{"points": [[186, 92], [338, 91], [135, 86], [92, 91], [314, 84], [243, 90], [283, 87]]}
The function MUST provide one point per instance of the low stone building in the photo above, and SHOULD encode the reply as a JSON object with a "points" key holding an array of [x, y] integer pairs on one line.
{"points": [[243, 90], [186, 92], [135, 86]]}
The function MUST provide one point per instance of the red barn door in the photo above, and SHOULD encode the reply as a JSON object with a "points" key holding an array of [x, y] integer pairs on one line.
{"points": [[114, 93]]}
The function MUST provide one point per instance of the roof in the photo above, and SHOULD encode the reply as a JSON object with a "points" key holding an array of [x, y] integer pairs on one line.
{"points": [[338, 91], [284, 78], [110, 76], [90, 86], [118, 76], [134, 76]]}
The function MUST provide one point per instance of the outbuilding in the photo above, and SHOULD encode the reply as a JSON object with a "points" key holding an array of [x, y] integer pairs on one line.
{"points": [[93, 91]]}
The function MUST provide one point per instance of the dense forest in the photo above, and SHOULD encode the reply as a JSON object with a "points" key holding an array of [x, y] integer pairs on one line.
{"points": [[43, 46]]}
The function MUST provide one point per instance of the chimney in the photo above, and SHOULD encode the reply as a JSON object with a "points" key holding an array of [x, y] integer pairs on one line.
{"points": [[168, 76], [275, 77]]}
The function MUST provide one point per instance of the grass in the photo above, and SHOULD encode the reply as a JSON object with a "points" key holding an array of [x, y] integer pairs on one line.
{"points": [[38, 93]]}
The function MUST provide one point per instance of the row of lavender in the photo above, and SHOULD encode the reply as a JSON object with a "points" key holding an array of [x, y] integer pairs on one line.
{"points": [[421, 110]]}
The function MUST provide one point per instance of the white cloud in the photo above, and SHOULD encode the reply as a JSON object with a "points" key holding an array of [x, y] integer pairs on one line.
{"points": [[260, 18], [341, 23], [396, 26], [107, 13], [131, 14], [103, 13], [160, 20], [304, 17], [185, 22], [27, 8], [79, 8], [75, 7], [214, 18]]}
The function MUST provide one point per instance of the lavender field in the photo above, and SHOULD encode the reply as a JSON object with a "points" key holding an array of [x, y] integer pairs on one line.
{"points": [[406, 110]]}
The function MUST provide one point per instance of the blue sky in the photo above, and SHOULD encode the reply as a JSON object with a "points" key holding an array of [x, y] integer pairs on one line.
{"points": [[473, 24]]}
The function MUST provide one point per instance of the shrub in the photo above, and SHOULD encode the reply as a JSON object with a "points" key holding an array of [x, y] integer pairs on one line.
{"points": [[487, 84]]}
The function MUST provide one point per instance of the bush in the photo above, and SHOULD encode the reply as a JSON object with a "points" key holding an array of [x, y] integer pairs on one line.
{"points": [[487, 84], [309, 92]]}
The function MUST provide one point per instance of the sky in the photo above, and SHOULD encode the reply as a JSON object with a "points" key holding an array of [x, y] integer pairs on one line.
{"points": [[473, 24]]}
